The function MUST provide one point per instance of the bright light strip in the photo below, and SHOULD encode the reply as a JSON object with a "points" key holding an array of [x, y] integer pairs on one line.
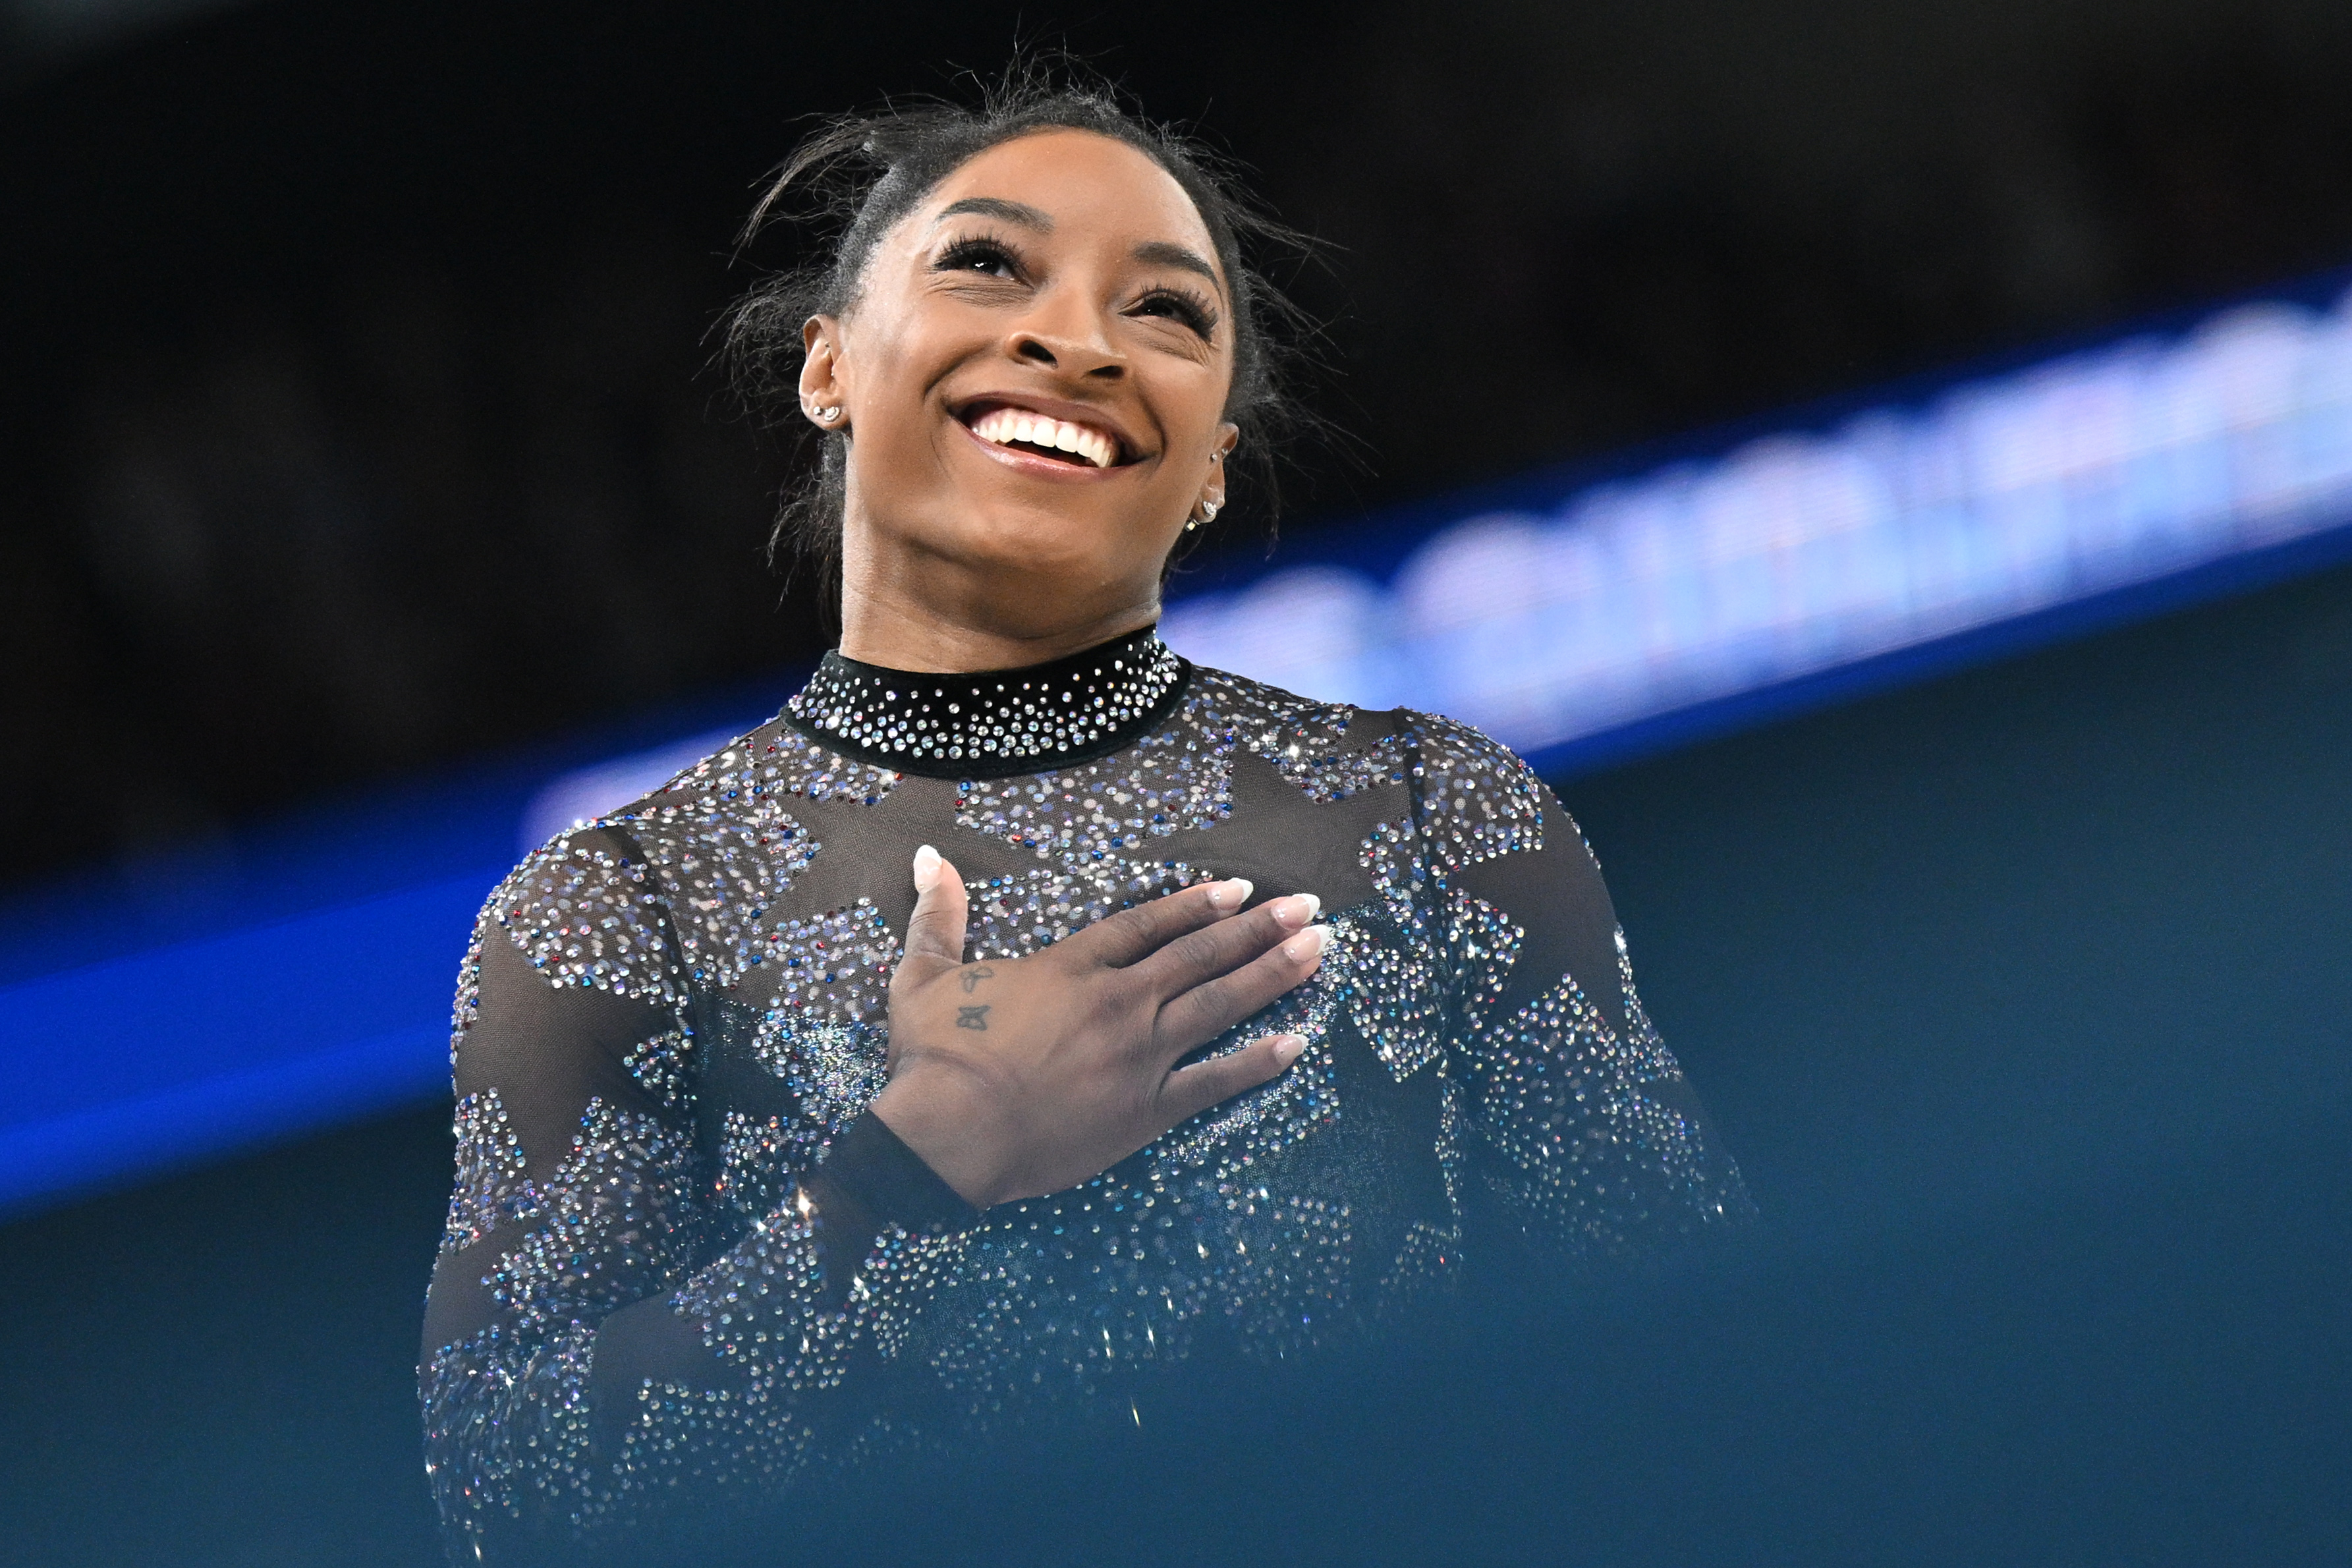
{"points": [[1800, 554]]}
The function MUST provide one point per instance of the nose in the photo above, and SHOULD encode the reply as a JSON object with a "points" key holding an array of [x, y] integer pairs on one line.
{"points": [[1070, 340]]}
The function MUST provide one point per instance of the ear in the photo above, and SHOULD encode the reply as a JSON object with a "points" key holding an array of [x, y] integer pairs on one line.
{"points": [[1213, 490], [824, 392]]}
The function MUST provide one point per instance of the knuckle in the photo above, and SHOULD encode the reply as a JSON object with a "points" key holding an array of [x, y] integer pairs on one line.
{"points": [[1195, 950]]}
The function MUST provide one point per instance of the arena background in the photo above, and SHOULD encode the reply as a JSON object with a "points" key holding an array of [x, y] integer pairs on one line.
{"points": [[360, 448]]}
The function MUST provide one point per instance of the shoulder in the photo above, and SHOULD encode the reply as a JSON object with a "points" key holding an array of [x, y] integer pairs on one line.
{"points": [[1329, 751], [1465, 756], [694, 866], [1220, 696], [754, 775], [1454, 750], [1463, 778], [587, 905], [738, 795], [1479, 799]]}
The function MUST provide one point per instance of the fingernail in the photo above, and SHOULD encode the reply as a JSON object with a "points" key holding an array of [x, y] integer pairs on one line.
{"points": [[927, 868], [1309, 943], [1297, 909], [1231, 893], [1286, 1049]]}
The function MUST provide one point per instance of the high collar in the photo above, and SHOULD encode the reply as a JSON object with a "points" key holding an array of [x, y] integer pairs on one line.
{"points": [[992, 724]]}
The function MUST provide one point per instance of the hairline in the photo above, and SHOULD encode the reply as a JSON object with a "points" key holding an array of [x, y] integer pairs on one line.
{"points": [[855, 287]]}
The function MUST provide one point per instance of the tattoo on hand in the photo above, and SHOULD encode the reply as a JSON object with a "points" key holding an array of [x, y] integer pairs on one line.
{"points": [[974, 975], [972, 1017]]}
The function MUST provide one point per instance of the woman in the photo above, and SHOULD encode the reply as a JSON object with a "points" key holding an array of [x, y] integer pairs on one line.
{"points": [[1022, 1007]]}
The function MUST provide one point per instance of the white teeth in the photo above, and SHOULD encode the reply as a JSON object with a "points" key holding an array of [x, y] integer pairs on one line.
{"points": [[1003, 425]]}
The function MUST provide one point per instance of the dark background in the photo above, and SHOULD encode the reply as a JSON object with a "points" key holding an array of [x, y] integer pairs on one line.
{"points": [[356, 418], [356, 423]]}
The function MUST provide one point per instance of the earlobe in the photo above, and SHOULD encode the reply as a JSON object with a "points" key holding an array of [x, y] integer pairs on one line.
{"points": [[1212, 494], [821, 393]]}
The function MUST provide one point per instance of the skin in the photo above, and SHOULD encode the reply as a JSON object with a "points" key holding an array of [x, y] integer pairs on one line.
{"points": [[1067, 274]]}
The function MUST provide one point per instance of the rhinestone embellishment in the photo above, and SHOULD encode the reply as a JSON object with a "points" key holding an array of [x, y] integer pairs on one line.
{"points": [[997, 723]]}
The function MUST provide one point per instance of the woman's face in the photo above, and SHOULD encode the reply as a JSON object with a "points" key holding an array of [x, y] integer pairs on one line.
{"points": [[1033, 378]]}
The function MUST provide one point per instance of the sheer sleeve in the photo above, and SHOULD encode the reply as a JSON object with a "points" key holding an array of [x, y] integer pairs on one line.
{"points": [[1571, 1118], [593, 1328]]}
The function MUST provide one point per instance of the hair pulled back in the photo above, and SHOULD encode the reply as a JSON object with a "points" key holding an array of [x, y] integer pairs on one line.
{"points": [[859, 174]]}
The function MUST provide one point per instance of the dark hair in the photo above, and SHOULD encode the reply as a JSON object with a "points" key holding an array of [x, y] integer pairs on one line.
{"points": [[861, 174]]}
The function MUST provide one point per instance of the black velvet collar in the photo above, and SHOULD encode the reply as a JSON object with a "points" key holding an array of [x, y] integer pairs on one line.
{"points": [[995, 724]]}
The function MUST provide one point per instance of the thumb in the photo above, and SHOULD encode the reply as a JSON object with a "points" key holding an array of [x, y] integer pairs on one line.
{"points": [[935, 933]]}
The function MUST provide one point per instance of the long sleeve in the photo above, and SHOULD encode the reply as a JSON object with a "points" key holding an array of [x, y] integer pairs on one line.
{"points": [[686, 1261], [597, 1323], [1572, 1117]]}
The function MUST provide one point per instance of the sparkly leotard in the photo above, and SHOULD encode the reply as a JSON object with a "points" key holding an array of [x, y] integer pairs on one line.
{"points": [[683, 1260]]}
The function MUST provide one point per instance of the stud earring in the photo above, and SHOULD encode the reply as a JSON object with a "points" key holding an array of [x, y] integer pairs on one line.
{"points": [[1208, 509], [824, 415]]}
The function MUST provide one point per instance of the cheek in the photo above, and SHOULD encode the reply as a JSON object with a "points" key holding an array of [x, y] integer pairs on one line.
{"points": [[1198, 405], [896, 350]]}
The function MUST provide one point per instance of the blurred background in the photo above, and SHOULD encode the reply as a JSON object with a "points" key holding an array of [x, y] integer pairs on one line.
{"points": [[1890, 464]]}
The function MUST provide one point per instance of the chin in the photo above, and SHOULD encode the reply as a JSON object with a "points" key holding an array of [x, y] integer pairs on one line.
{"points": [[1049, 543]]}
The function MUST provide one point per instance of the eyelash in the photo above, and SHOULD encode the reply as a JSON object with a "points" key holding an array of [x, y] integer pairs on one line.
{"points": [[961, 256], [1190, 309], [1185, 307]]}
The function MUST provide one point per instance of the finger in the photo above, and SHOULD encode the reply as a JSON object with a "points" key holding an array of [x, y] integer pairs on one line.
{"points": [[935, 932], [1204, 954], [1120, 940], [1209, 1009], [1189, 1091]]}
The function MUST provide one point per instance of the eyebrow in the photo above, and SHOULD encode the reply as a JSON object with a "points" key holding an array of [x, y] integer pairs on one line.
{"points": [[1155, 252], [998, 207], [1162, 253]]}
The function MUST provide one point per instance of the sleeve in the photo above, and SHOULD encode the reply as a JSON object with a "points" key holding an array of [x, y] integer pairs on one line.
{"points": [[1573, 1122], [592, 1335]]}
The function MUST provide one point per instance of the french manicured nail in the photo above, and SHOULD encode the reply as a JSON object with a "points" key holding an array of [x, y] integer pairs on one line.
{"points": [[1309, 943], [1231, 893], [1286, 1049], [1297, 909], [927, 868]]}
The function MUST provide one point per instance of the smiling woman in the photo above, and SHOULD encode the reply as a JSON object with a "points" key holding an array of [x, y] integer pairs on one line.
{"points": [[1038, 390], [777, 1125]]}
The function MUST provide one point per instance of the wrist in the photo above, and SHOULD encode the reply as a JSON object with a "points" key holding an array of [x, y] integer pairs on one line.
{"points": [[936, 1126]]}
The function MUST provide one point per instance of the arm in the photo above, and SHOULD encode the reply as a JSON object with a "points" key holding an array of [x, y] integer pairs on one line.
{"points": [[577, 1363], [1577, 1121], [570, 1338]]}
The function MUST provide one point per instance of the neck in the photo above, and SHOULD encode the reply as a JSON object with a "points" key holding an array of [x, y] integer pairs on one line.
{"points": [[992, 724], [944, 615]]}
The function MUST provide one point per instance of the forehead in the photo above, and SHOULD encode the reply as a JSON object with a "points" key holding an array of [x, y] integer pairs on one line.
{"points": [[1087, 184]]}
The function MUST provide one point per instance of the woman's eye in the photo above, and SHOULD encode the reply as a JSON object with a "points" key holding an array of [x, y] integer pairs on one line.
{"points": [[1177, 307], [980, 255]]}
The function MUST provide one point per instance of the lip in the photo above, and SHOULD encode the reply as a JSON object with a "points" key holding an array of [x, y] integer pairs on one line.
{"points": [[1130, 450]]}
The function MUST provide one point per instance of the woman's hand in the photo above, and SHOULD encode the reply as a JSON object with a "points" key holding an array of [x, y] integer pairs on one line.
{"points": [[1021, 1077]]}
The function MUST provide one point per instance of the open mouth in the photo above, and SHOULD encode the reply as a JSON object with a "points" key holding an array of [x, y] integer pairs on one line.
{"points": [[1023, 430]]}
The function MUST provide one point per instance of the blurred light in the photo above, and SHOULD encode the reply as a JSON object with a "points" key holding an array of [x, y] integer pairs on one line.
{"points": [[1797, 554]]}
